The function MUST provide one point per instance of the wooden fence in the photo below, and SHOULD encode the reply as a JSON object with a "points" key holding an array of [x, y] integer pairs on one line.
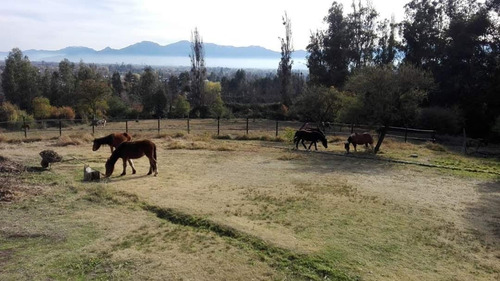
{"points": [[59, 127]]}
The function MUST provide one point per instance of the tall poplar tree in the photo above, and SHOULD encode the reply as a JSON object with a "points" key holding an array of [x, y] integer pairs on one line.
{"points": [[285, 65]]}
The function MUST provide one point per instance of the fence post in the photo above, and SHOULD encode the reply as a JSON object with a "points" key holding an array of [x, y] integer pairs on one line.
{"points": [[25, 127], [158, 125], [60, 127], [93, 125], [126, 126], [352, 128], [218, 125], [247, 125], [276, 128], [188, 125], [406, 134]]}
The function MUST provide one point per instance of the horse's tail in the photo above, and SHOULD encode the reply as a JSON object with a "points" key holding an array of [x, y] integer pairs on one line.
{"points": [[154, 153]]}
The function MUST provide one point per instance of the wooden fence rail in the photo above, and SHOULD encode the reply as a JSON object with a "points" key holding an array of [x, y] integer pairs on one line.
{"points": [[216, 126]]}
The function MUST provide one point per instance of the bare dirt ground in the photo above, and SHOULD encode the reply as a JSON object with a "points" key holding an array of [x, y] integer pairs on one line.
{"points": [[377, 220]]}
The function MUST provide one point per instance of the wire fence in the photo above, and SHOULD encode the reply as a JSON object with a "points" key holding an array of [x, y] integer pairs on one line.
{"points": [[238, 126]]}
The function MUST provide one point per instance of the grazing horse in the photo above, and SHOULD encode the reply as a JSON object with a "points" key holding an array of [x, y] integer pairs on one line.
{"points": [[312, 135], [355, 139], [133, 150], [101, 122], [113, 140]]}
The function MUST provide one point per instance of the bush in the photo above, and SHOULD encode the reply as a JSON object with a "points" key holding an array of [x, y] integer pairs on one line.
{"points": [[9, 112], [443, 120]]}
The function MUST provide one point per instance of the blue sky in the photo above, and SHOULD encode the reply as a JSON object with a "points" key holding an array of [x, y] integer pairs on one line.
{"points": [[55, 24]]}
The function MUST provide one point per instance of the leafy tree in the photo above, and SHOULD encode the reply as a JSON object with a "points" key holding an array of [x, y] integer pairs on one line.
{"points": [[348, 42], [117, 108], [87, 72], [181, 106], [334, 47], [422, 33], [285, 65], [64, 112], [65, 85], [214, 99], [387, 46], [362, 33], [131, 82], [198, 70], [236, 89], [41, 108], [160, 102], [316, 60], [92, 96], [389, 96], [149, 85], [317, 104], [173, 90], [19, 80], [9, 112], [116, 83]]}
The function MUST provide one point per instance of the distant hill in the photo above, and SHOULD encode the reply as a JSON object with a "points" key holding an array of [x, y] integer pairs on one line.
{"points": [[178, 49], [151, 53]]}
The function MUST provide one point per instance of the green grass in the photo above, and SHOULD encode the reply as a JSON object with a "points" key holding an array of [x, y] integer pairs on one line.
{"points": [[439, 155]]}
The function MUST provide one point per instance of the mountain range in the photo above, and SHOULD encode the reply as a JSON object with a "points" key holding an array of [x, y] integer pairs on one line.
{"points": [[151, 53], [178, 49]]}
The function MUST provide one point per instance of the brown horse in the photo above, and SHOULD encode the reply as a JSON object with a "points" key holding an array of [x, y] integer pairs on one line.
{"points": [[113, 140], [312, 135], [355, 139], [133, 150]]}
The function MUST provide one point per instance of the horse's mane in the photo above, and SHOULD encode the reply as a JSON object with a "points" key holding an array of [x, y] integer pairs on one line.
{"points": [[105, 140]]}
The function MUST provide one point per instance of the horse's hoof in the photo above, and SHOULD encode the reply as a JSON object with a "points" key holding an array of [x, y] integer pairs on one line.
{"points": [[122, 174], [133, 172]]}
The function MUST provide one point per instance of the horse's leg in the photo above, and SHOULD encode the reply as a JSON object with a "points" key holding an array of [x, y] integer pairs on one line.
{"points": [[111, 147], [305, 147], [131, 165], [152, 166], [353, 144], [124, 167]]}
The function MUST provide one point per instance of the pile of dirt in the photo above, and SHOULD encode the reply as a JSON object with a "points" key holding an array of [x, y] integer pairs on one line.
{"points": [[13, 188], [8, 166]]}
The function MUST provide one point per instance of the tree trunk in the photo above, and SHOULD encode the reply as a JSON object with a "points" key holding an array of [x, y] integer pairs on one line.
{"points": [[381, 137]]}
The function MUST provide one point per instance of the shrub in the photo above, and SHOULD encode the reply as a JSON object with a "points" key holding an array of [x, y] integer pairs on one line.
{"points": [[9, 112], [289, 134], [41, 108], [443, 120]]}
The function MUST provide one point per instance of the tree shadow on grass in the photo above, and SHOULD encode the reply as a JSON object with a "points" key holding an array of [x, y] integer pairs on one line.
{"points": [[484, 215], [327, 162]]}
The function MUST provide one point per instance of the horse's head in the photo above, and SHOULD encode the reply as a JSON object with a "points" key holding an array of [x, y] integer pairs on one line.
{"points": [[349, 139], [346, 146], [324, 142], [96, 145], [109, 168]]}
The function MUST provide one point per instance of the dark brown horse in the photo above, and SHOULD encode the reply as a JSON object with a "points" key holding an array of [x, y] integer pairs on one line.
{"points": [[355, 139], [132, 150], [312, 135], [113, 140]]}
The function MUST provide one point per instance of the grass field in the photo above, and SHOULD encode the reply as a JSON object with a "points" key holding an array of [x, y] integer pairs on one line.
{"points": [[249, 208]]}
